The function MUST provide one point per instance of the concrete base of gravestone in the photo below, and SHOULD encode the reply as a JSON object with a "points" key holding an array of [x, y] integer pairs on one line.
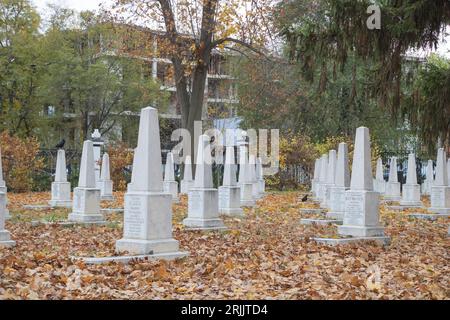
{"points": [[337, 203], [247, 199], [411, 196], [112, 210], [255, 190], [440, 200], [321, 192], [312, 211], [321, 222], [186, 185], [36, 223], [106, 187], [313, 186], [361, 218], [230, 201], [168, 256], [379, 186], [203, 209], [36, 206], [262, 187], [324, 200], [392, 191], [60, 195], [341, 241], [147, 226], [171, 187], [4, 190], [428, 216], [86, 206], [5, 239]]}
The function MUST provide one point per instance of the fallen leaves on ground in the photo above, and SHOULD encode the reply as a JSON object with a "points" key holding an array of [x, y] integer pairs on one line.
{"points": [[265, 255]]}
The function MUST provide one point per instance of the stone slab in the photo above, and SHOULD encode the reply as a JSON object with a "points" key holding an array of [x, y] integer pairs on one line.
{"points": [[36, 223], [37, 207], [320, 221], [112, 210], [7, 244], [333, 242], [429, 216], [127, 259], [311, 211]]}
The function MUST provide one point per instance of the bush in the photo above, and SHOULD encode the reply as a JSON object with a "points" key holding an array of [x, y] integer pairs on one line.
{"points": [[20, 161], [120, 157]]}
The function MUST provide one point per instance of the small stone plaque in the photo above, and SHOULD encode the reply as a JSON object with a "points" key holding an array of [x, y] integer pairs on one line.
{"points": [[134, 222], [354, 208]]}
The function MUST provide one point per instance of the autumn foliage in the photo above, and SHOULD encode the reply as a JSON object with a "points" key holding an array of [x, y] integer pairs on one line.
{"points": [[120, 156], [20, 160]]}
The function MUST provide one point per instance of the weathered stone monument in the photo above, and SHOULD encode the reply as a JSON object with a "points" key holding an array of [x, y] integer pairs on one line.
{"points": [[315, 179], [260, 177], [411, 190], [147, 228], [440, 190], [5, 236], [187, 182], [393, 186], [97, 143], [342, 184], [331, 175], [361, 217], [245, 182], [170, 184], [230, 192], [106, 184], [252, 174], [3, 187], [61, 187], [203, 199], [379, 183], [429, 179], [86, 197], [323, 178]]}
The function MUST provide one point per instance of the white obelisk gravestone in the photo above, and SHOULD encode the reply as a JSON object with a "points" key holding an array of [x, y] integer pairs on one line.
{"points": [[5, 236], [411, 190], [3, 188], [86, 197], [361, 217], [170, 184], [106, 184], [323, 178], [61, 187], [147, 228], [379, 183], [252, 171], [97, 142], [440, 190], [230, 192], [429, 179], [187, 183], [260, 177], [331, 175], [245, 180], [203, 199], [393, 186], [315, 178], [317, 175], [342, 184]]}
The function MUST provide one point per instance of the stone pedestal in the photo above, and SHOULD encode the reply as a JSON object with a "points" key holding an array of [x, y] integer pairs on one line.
{"points": [[5, 236], [262, 187], [361, 218], [379, 186], [147, 227], [106, 190], [60, 195], [4, 189], [411, 196], [230, 201], [337, 203], [247, 199], [171, 187], [324, 201], [86, 206], [392, 191], [5, 239], [186, 185], [440, 200], [255, 191], [203, 210]]}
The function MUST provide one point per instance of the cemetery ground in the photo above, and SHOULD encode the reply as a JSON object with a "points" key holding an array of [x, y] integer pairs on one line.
{"points": [[267, 254]]}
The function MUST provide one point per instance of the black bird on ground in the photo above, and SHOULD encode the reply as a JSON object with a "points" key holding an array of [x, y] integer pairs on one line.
{"points": [[305, 198], [61, 144]]}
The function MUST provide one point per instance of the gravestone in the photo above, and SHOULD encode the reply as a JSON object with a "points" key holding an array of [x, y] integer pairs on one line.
{"points": [[130, 185], [315, 179], [429, 179], [260, 177], [440, 190], [230, 192], [147, 227], [98, 143], [61, 187], [245, 182], [86, 197], [393, 186], [5, 236], [252, 170], [3, 188], [342, 184], [411, 190], [106, 184], [323, 178], [187, 183], [361, 217], [379, 183], [170, 184], [331, 175], [203, 199]]}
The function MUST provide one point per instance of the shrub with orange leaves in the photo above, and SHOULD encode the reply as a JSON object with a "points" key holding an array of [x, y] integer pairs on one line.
{"points": [[120, 156], [20, 160]]}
